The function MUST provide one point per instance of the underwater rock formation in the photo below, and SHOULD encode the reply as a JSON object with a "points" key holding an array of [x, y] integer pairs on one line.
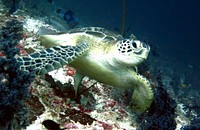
{"points": [[194, 125]]}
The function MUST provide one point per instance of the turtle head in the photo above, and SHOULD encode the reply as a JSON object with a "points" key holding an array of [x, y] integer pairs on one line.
{"points": [[132, 52]]}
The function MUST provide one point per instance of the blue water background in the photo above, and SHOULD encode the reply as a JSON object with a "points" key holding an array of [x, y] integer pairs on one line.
{"points": [[172, 25]]}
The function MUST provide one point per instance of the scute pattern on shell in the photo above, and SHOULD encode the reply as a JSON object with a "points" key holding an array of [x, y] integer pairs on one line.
{"points": [[98, 32]]}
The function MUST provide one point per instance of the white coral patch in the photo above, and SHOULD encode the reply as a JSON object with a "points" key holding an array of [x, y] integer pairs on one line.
{"points": [[59, 75], [33, 25]]}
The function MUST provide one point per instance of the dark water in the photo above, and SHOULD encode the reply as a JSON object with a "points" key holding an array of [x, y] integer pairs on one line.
{"points": [[172, 25]]}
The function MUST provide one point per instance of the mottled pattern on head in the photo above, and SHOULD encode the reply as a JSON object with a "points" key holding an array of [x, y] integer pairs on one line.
{"points": [[132, 52], [128, 46]]}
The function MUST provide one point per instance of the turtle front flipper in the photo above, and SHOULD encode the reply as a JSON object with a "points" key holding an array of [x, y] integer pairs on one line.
{"points": [[55, 40], [142, 96], [51, 58]]}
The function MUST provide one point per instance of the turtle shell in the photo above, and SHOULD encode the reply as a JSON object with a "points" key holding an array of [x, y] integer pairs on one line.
{"points": [[98, 32]]}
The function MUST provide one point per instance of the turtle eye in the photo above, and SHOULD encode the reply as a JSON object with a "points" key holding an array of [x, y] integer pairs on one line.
{"points": [[134, 44]]}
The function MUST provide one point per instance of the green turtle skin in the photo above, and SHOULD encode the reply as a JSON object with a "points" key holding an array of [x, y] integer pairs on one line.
{"points": [[99, 54]]}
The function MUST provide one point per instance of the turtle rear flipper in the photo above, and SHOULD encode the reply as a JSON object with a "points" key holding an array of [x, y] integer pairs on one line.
{"points": [[52, 58]]}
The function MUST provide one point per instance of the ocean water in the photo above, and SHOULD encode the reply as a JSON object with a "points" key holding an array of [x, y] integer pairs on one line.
{"points": [[171, 28], [173, 25]]}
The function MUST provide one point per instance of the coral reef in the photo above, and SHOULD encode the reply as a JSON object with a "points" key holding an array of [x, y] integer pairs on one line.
{"points": [[95, 106], [91, 108], [192, 106], [194, 125], [14, 82], [192, 110]]}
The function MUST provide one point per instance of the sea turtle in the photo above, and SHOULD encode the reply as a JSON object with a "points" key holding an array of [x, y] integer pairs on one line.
{"points": [[98, 53]]}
